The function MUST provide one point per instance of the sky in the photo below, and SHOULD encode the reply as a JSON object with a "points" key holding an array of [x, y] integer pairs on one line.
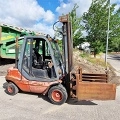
{"points": [[39, 15]]}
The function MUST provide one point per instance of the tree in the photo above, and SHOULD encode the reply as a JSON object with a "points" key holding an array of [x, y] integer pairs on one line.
{"points": [[76, 26], [114, 41], [96, 21]]}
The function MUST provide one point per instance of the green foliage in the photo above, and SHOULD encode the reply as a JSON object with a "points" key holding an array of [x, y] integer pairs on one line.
{"points": [[114, 41], [76, 26], [96, 23]]}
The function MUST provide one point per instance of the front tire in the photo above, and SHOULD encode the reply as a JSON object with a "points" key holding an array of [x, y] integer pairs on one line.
{"points": [[11, 89], [57, 94]]}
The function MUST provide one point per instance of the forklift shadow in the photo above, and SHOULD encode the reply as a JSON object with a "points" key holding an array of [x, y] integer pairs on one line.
{"points": [[44, 97], [70, 101], [74, 101]]}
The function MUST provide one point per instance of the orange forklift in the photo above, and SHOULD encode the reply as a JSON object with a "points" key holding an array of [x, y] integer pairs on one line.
{"points": [[41, 68]]}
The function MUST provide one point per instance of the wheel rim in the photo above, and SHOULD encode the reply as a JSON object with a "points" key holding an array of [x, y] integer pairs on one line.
{"points": [[10, 90], [57, 95]]}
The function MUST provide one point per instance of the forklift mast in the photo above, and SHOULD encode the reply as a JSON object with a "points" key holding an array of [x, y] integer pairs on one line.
{"points": [[67, 49], [67, 42]]}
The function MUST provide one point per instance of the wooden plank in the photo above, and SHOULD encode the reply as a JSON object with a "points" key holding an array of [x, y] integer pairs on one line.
{"points": [[95, 91], [94, 74], [95, 77], [84, 79]]}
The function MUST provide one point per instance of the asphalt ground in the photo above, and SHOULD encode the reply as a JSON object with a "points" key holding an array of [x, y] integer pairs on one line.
{"points": [[24, 106], [114, 61]]}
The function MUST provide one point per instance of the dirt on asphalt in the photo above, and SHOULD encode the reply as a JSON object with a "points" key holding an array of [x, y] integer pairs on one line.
{"points": [[87, 67]]}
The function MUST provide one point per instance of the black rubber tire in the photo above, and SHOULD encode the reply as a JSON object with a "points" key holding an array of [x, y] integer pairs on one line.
{"points": [[59, 92], [11, 89]]}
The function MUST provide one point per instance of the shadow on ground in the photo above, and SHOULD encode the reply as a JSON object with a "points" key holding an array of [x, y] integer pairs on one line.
{"points": [[4, 61], [114, 57], [74, 101]]}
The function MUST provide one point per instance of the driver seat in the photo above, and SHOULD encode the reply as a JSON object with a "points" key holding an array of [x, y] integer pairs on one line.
{"points": [[37, 60]]}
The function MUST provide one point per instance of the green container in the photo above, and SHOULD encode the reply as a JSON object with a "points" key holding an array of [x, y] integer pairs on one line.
{"points": [[8, 36]]}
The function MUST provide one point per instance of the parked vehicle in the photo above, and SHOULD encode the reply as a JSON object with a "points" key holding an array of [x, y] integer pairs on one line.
{"points": [[52, 73]]}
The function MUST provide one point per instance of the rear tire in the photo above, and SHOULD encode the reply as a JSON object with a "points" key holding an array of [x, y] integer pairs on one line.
{"points": [[57, 94], [11, 89]]}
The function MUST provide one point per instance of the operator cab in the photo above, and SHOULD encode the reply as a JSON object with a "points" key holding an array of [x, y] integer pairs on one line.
{"points": [[41, 59]]}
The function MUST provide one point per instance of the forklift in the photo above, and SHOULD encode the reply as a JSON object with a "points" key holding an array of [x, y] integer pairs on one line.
{"points": [[41, 68]]}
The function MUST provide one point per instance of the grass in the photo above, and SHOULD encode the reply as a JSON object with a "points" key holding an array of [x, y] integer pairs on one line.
{"points": [[98, 60]]}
